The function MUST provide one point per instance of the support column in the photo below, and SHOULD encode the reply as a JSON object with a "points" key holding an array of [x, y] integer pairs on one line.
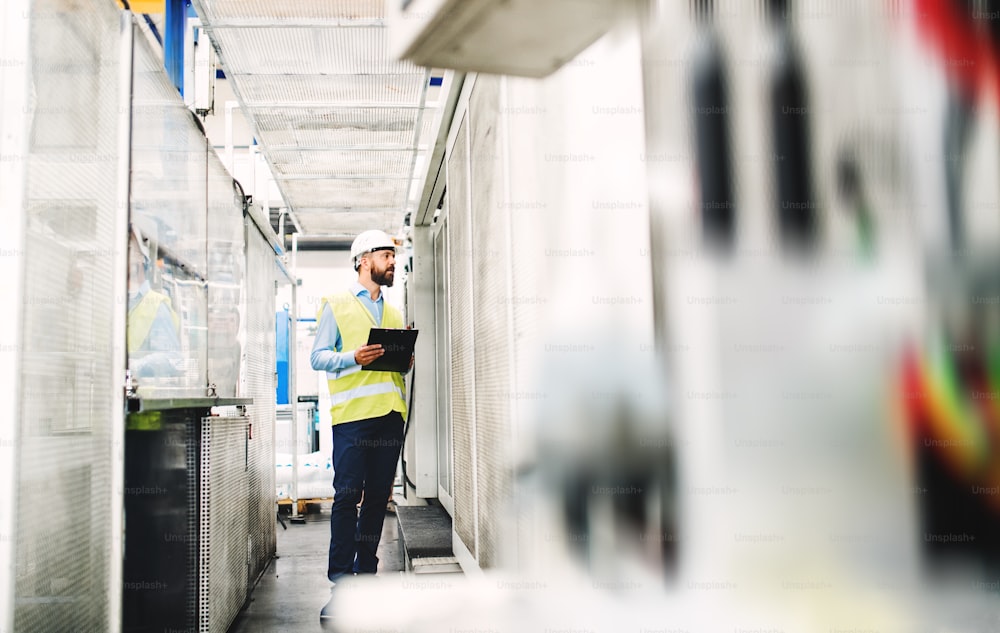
{"points": [[173, 42]]}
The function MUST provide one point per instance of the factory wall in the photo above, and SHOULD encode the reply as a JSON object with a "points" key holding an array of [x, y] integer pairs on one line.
{"points": [[737, 255], [63, 349], [111, 190], [540, 259]]}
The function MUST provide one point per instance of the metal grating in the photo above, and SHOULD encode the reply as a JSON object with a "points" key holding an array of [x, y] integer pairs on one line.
{"points": [[490, 261], [223, 522], [343, 164], [334, 128], [363, 194], [462, 341], [307, 51], [294, 10], [192, 471], [402, 89], [527, 252], [317, 76], [443, 351], [346, 222], [258, 375], [527, 271], [67, 390]]}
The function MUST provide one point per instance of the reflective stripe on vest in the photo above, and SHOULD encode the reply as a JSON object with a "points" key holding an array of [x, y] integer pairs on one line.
{"points": [[356, 394], [365, 390]]}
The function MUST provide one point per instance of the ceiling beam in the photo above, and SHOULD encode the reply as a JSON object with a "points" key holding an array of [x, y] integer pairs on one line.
{"points": [[296, 23], [434, 183], [327, 105], [329, 177], [344, 148]]}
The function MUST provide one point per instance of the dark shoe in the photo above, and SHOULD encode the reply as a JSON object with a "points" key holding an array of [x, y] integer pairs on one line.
{"points": [[326, 613]]}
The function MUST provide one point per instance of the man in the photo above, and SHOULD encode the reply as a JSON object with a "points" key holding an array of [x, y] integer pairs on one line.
{"points": [[368, 408]]}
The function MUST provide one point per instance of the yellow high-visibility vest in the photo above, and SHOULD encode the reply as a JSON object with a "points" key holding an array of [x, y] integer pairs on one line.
{"points": [[141, 318], [357, 394]]}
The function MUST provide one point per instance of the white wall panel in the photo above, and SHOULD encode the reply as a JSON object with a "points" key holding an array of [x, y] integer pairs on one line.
{"points": [[69, 394]]}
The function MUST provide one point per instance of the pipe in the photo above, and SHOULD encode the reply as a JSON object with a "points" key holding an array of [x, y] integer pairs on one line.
{"points": [[295, 220], [293, 393], [152, 29]]}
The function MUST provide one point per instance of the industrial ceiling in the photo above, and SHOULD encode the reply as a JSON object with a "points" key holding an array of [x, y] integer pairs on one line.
{"points": [[346, 129]]}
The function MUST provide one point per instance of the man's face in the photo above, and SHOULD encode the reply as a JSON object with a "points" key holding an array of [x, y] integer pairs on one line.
{"points": [[383, 267]]}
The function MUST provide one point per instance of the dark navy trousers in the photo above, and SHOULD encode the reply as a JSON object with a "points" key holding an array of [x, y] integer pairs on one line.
{"points": [[365, 453]]}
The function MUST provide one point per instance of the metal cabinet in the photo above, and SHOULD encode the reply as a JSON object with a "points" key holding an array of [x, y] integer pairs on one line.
{"points": [[188, 520]]}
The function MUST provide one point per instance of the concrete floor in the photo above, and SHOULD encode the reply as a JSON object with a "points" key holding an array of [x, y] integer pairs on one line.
{"points": [[294, 588]]}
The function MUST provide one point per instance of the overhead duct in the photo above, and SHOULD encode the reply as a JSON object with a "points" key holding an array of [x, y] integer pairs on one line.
{"points": [[322, 243], [342, 124]]}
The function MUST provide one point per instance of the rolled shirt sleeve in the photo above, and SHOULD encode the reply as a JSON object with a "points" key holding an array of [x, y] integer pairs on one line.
{"points": [[327, 352]]}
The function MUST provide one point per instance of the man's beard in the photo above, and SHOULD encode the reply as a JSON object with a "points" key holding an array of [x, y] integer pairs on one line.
{"points": [[383, 277]]}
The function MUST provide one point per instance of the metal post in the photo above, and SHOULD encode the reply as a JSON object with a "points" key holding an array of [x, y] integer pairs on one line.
{"points": [[252, 156], [293, 323], [118, 324], [14, 126]]}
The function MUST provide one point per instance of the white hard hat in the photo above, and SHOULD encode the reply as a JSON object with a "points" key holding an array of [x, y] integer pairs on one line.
{"points": [[369, 242]]}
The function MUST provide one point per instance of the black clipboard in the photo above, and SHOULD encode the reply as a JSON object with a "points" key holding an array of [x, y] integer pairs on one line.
{"points": [[398, 346]]}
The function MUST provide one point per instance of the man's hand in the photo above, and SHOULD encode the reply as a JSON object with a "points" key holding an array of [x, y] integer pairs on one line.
{"points": [[365, 354]]}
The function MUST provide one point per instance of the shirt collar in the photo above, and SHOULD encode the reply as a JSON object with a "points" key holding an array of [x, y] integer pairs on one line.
{"points": [[357, 289], [136, 296]]}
